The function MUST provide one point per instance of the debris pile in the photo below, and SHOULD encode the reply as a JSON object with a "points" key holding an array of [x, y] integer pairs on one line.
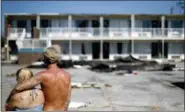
{"points": [[128, 63], [88, 85]]}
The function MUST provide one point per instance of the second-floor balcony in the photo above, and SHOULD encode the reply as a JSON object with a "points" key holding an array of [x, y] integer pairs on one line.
{"points": [[107, 33]]}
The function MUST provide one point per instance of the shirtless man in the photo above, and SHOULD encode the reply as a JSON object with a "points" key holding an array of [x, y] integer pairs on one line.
{"points": [[55, 83]]}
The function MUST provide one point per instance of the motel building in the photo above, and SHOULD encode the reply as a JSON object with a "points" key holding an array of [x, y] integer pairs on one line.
{"points": [[96, 36]]}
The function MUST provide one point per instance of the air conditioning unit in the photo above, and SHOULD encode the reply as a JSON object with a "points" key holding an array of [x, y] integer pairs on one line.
{"points": [[176, 57], [135, 34], [143, 57], [117, 34], [146, 34], [173, 34], [83, 57], [86, 34], [117, 57]]}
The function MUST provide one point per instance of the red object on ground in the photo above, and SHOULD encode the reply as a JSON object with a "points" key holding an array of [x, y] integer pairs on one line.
{"points": [[134, 72]]}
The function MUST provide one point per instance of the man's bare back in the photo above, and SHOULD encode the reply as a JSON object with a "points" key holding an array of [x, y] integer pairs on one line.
{"points": [[55, 87], [55, 83]]}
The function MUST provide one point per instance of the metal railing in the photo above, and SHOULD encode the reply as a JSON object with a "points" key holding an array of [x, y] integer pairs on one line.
{"points": [[16, 32], [32, 43], [174, 32], [107, 32]]}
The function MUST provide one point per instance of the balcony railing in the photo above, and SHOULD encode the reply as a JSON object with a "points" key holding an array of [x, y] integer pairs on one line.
{"points": [[15, 32], [32, 43], [60, 33]]}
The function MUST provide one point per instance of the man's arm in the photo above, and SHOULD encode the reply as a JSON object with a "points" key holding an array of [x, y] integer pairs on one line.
{"points": [[9, 107], [10, 104], [69, 95], [32, 82]]}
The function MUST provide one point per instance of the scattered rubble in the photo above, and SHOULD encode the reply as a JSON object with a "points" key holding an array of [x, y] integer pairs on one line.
{"points": [[11, 75], [128, 63], [77, 105], [88, 85]]}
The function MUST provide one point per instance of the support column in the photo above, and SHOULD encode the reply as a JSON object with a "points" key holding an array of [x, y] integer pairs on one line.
{"points": [[132, 30], [38, 22], [6, 37], [132, 47], [36, 30], [163, 36], [70, 49], [8, 50], [28, 28], [101, 35], [69, 31], [132, 21]]}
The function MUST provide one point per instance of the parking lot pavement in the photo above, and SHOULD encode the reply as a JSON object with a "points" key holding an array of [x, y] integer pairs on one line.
{"points": [[145, 91]]}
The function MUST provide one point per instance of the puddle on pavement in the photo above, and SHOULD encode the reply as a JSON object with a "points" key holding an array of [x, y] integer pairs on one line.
{"points": [[179, 84]]}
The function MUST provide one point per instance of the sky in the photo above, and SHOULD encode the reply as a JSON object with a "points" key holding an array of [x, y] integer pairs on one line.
{"points": [[96, 7]]}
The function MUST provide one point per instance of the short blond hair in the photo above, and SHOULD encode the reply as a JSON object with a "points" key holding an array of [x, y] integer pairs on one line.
{"points": [[23, 74]]}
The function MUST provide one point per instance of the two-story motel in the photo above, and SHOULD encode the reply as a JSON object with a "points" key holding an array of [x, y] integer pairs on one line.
{"points": [[98, 36]]}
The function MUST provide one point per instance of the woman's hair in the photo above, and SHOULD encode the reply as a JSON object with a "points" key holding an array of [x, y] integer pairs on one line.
{"points": [[23, 74]]}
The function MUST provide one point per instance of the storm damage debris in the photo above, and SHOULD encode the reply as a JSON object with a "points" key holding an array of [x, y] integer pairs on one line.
{"points": [[131, 64], [61, 64], [128, 63], [102, 66], [11, 75], [88, 85], [78, 105]]}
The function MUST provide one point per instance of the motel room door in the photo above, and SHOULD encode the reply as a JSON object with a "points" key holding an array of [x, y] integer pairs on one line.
{"points": [[105, 50], [157, 50], [96, 50]]}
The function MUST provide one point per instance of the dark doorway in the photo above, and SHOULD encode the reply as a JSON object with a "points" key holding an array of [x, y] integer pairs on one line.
{"points": [[119, 48], [81, 23], [33, 24], [166, 26], [105, 50], [165, 50], [96, 24], [106, 26], [156, 24], [44, 23], [21, 23], [13, 46], [157, 49], [129, 47], [96, 50], [83, 48], [106, 23]]}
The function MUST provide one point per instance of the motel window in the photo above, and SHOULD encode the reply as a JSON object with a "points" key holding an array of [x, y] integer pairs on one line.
{"points": [[21, 23], [119, 48], [177, 23], [147, 24]]}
